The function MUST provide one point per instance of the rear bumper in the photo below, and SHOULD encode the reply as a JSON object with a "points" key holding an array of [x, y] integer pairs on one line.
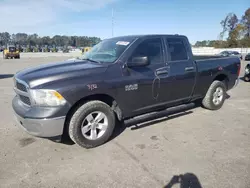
{"points": [[45, 128]]}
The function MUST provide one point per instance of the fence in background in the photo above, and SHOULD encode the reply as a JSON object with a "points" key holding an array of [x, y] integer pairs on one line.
{"points": [[50, 54], [213, 51], [196, 51]]}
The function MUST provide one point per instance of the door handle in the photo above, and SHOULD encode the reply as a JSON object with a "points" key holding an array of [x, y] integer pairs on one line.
{"points": [[159, 72], [189, 69]]}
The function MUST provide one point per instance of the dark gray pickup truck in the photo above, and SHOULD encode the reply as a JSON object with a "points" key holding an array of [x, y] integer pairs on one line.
{"points": [[118, 79]]}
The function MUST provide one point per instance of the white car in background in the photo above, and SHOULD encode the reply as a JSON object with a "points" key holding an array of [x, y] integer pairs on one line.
{"points": [[227, 53], [235, 53]]}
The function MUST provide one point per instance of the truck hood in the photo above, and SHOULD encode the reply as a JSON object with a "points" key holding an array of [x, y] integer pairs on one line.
{"points": [[50, 72]]}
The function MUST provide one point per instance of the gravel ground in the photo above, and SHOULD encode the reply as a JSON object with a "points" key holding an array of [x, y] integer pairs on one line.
{"points": [[213, 147]]}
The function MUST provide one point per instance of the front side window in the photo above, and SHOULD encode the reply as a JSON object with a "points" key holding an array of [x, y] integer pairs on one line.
{"points": [[151, 48], [177, 49], [108, 50]]}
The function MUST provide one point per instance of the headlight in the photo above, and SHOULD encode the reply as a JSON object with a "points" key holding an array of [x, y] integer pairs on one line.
{"points": [[247, 71], [46, 97]]}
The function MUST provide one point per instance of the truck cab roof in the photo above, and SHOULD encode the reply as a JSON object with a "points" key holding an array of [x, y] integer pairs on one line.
{"points": [[147, 36]]}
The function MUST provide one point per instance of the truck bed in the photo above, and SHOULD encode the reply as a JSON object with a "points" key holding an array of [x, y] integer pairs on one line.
{"points": [[208, 68]]}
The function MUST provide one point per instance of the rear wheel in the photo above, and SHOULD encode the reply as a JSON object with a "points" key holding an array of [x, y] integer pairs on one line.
{"points": [[92, 124], [246, 78], [215, 96]]}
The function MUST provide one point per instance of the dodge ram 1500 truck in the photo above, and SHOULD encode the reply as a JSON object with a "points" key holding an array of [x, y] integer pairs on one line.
{"points": [[119, 78]]}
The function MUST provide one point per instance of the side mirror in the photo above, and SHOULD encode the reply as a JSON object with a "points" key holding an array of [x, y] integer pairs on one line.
{"points": [[138, 62]]}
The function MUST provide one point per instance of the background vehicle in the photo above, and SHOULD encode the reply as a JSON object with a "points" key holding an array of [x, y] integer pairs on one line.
{"points": [[85, 49], [235, 53], [230, 53], [247, 57], [65, 50], [247, 73], [118, 79], [46, 49], [224, 53], [54, 49], [11, 52]]}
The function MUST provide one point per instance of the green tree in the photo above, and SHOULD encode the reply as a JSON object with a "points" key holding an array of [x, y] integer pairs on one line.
{"points": [[246, 21], [4, 38], [46, 40]]}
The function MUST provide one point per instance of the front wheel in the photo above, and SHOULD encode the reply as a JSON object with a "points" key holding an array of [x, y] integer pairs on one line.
{"points": [[92, 124], [215, 96]]}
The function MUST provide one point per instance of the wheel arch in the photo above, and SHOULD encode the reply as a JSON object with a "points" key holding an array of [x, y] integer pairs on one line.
{"points": [[101, 97], [223, 78]]}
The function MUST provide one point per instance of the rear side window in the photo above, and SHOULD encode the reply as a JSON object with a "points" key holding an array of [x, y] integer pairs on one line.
{"points": [[177, 49]]}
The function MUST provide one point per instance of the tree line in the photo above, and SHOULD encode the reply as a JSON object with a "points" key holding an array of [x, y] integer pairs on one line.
{"points": [[23, 39], [236, 29]]}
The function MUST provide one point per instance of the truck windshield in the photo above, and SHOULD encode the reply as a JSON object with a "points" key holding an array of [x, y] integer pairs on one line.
{"points": [[107, 51], [12, 49]]}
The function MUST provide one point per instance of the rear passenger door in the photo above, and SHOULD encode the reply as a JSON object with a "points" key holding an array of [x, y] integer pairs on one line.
{"points": [[182, 69]]}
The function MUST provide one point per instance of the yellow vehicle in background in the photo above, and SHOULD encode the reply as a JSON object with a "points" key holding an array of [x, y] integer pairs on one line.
{"points": [[11, 52], [85, 49]]}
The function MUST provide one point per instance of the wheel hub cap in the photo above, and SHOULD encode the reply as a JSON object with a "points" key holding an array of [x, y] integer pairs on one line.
{"points": [[218, 96], [94, 125]]}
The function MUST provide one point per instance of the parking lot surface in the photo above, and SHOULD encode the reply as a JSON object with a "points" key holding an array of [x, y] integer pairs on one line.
{"points": [[212, 147]]}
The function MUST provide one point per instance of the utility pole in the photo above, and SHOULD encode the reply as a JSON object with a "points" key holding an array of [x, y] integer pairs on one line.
{"points": [[112, 22]]}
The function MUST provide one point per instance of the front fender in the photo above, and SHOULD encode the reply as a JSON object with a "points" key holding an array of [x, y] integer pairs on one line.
{"points": [[74, 93]]}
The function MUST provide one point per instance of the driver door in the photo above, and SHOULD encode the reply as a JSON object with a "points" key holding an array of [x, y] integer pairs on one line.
{"points": [[144, 92]]}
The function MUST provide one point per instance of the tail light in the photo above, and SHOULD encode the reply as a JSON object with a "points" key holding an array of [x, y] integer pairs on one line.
{"points": [[238, 72]]}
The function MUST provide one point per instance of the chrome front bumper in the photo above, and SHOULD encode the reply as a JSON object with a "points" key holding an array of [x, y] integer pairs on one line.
{"points": [[42, 127]]}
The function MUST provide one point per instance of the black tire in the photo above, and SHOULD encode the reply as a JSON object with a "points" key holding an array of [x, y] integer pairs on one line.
{"points": [[207, 101], [246, 79], [78, 117]]}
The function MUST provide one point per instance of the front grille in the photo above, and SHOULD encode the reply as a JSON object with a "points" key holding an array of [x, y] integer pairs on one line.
{"points": [[21, 87], [24, 99], [22, 92]]}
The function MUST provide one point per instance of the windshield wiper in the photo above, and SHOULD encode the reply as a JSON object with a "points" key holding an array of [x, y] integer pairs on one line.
{"points": [[91, 60]]}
